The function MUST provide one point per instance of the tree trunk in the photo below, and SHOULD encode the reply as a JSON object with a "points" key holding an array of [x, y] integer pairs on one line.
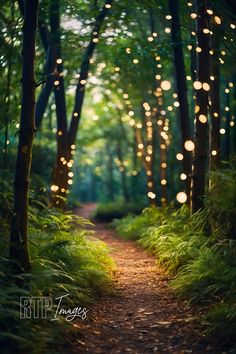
{"points": [[66, 139], [227, 127], [62, 167], [215, 112], [163, 170], [135, 176], [46, 90], [201, 110], [84, 70], [182, 91], [234, 113], [148, 165], [110, 182], [19, 228], [123, 173]]}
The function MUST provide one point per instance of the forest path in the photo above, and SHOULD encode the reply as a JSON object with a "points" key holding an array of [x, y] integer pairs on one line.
{"points": [[144, 316]]}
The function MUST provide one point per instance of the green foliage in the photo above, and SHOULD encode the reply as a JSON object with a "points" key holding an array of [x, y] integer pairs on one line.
{"points": [[221, 203], [198, 250], [133, 228], [66, 259], [110, 211]]}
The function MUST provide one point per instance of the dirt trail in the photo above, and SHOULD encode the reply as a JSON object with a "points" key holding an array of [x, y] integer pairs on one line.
{"points": [[144, 316]]}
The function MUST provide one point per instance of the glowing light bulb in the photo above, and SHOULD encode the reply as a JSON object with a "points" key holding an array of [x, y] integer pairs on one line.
{"points": [[210, 12], [189, 145], [202, 118], [197, 85], [151, 195], [217, 20], [193, 15], [206, 31], [183, 176], [54, 188], [179, 156], [181, 197], [206, 86], [165, 85]]}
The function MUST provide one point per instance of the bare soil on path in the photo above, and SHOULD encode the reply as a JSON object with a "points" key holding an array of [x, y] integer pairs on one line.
{"points": [[144, 316]]}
